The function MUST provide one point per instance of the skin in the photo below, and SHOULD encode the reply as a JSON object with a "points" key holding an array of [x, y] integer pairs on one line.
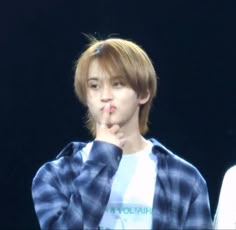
{"points": [[115, 108]]}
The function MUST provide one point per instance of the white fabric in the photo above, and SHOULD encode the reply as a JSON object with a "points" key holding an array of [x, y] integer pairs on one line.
{"points": [[131, 199], [225, 217], [86, 150]]}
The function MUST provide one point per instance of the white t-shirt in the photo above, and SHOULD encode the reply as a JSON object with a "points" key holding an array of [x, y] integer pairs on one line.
{"points": [[225, 217], [131, 199]]}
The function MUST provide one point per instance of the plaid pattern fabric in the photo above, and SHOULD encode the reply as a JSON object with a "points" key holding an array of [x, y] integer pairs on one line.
{"points": [[71, 194]]}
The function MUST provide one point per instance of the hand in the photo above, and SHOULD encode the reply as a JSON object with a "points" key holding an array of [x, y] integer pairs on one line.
{"points": [[111, 134]]}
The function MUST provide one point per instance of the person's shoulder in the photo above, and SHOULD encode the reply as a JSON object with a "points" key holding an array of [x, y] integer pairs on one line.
{"points": [[176, 164], [61, 161], [231, 170], [230, 174]]}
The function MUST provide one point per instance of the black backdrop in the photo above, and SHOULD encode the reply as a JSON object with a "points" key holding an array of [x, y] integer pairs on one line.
{"points": [[192, 45]]}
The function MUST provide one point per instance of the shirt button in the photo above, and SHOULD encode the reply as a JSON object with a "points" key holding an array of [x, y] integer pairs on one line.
{"points": [[118, 158]]}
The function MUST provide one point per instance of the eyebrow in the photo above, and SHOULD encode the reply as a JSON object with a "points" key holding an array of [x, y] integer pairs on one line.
{"points": [[112, 77], [117, 76], [92, 78]]}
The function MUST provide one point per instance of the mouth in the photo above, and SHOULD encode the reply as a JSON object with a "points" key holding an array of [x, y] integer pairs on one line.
{"points": [[112, 108]]}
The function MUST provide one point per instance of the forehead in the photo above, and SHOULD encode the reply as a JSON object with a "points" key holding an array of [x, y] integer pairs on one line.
{"points": [[95, 69], [98, 69]]}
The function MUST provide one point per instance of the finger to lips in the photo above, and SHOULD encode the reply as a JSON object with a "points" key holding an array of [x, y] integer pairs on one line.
{"points": [[105, 120]]}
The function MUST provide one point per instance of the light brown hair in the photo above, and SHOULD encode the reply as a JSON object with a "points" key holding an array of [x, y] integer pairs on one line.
{"points": [[124, 58]]}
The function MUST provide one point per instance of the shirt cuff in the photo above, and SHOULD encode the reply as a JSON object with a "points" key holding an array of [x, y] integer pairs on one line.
{"points": [[106, 153]]}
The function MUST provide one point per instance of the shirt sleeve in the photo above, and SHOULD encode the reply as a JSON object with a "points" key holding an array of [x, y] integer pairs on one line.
{"points": [[79, 203], [199, 214], [225, 217]]}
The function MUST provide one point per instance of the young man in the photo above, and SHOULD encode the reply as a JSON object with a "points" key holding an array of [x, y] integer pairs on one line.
{"points": [[225, 217], [120, 180]]}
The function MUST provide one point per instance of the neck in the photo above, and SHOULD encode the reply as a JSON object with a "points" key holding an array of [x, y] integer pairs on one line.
{"points": [[134, 142]]}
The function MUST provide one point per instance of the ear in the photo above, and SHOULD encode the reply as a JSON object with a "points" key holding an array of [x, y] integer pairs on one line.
{"points": [[143, 100]]}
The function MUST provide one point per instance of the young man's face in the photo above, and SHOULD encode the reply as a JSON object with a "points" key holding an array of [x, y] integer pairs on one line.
{"points": [[115, 91]]}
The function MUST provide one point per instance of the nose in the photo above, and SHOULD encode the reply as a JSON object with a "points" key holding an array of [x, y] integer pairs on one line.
{"points": [[106, 94]]}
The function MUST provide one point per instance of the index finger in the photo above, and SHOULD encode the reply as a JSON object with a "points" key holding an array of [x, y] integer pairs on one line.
{"points": [[105, 119]]}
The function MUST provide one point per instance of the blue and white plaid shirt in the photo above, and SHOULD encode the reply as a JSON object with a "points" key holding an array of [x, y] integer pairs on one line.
{"points": [[71, 194]]}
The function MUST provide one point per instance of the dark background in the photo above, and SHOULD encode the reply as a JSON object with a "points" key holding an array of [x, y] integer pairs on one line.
{"points": [[192, 45]]}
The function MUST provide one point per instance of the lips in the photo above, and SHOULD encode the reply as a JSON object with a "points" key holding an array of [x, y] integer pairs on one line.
{"points": [[112, 108]]}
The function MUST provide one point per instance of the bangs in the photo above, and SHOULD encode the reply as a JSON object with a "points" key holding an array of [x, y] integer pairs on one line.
{"points": [[111, 61], [114, 67]]}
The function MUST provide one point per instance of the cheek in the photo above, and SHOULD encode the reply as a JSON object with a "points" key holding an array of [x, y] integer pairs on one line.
{"points": [[130, 98], [92, 108], [90, 99]]}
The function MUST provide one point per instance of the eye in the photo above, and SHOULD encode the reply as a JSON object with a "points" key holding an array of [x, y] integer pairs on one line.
{"points": [[118, 84], [93, 85]]}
